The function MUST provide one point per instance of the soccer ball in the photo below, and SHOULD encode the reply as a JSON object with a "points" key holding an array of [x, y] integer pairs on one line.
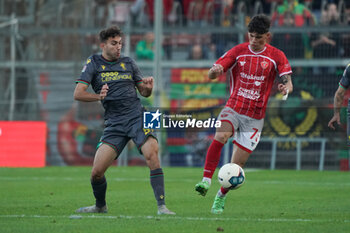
{"points": [[231, 176]]}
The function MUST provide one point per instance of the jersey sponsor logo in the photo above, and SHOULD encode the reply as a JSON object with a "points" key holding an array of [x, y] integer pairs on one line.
{"points": [[114, 76], [242, 63], [257, 83], [264, 64], [103, 67], [224, 115], [252, 77], [248, 94], [122, 65]]}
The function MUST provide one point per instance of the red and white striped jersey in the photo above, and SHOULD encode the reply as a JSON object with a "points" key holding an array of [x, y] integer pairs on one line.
{"points": [[252, 76]]}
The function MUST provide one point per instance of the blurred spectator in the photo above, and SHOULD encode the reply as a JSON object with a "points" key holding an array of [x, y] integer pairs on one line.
{"points": [[142, 11], [145, 47], [223, 17], [346, 36], [198, 11], [290, 43], [223, 13], [101, 10], [302, 15], [198, 52], [347, 13], [182, 18], [266, 4], [119, 12], [137, 12], [327, 45], [330, 16], [167, 6]]}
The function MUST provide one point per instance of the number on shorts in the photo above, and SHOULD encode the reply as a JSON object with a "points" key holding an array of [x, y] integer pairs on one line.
{"points": [[255, 132]]}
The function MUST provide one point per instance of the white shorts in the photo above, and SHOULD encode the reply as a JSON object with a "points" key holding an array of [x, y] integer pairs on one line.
{"points": [[246, 130]]}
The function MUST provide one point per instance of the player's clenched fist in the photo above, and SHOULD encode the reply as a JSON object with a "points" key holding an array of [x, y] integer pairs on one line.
{"points": [[282, 88], [216, 71], [148, 81], [104, 91]]}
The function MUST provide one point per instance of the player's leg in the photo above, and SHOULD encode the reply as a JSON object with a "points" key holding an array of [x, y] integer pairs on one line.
{"points": [[245, 143], [213, 155], [222, 134], [240, 157], [104, 157], [150, 151]]}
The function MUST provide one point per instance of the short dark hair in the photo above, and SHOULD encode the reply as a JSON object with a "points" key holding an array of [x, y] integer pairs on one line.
{"points": [[259, 24], [110, 32]]}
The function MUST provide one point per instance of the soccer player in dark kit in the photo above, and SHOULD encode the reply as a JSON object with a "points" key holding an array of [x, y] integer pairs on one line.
{"points": [[114, 79], [252, 67], [344, 84]]}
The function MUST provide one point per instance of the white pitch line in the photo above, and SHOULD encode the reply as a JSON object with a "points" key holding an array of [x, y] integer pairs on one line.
{"points": [[272, 182], [177, 218]]}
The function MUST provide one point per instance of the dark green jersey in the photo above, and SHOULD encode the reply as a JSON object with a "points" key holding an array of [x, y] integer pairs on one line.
{"points": [[121, 76], [345, 80]]}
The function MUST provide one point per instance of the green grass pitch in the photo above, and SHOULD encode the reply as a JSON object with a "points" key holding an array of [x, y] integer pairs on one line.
{"points": [[43, 200]]}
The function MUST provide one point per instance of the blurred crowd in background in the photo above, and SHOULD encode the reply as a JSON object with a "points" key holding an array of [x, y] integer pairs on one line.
{"points": [[53, 39], [226, 13], [209, 15]]}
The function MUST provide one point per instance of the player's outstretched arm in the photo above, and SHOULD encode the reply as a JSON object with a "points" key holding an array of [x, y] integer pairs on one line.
{"points": [[81, 93], [146, 86], [338, 100], [215, 71]]}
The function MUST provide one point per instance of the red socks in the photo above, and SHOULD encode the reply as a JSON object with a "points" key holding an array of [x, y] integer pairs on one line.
{"points": [[224, 191], [212, 159]]}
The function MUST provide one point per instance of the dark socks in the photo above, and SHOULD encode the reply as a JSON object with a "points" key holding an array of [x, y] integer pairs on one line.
{"points": [[99, 188], [157, 183]]}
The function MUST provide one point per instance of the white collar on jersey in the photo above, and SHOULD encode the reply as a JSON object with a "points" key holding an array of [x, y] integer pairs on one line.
{"points": [[256, 52]]}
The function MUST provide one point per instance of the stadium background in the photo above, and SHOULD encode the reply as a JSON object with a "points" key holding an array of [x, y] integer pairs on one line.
{"points": [[45, 43]]}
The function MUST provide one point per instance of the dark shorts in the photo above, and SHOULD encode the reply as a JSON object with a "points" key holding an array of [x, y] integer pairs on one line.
{"points": [[348, 124], [117, 134]]}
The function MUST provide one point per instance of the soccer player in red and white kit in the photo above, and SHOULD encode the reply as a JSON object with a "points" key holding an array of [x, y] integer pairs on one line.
{"points": [[253, 67]]}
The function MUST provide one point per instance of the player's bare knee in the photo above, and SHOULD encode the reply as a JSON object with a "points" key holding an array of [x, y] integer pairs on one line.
{"points": [[152, 142], [96, 174], [154, 147], [222, 137], [152, 160]]}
